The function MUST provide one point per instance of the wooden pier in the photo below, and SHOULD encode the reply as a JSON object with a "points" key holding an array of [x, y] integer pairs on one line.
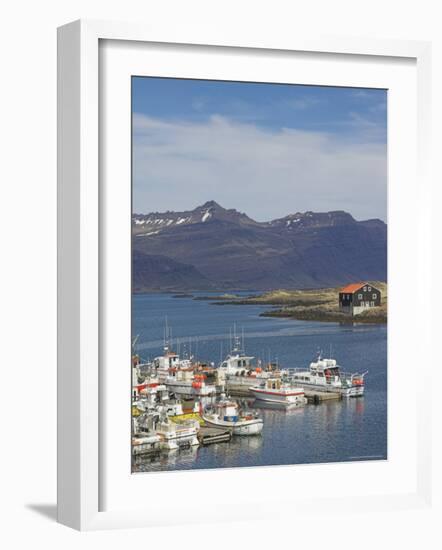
{"points": [[208, 435], [317, 397], [238, 390]]}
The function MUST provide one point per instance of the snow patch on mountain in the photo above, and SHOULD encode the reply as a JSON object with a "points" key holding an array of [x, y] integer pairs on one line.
{"points": [[206, 216]]}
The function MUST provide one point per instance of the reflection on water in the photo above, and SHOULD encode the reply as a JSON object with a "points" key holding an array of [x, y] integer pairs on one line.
{"points": [[165, 459], [351, 429]]}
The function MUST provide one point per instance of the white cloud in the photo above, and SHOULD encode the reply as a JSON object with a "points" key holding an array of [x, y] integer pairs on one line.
{"points": [[265, 173], [303, 103]]}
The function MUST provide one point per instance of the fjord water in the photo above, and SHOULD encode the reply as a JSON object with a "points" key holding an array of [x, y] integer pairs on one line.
{"points": [[333, 431]]}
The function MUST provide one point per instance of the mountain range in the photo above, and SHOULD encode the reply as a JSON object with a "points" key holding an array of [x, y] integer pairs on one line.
{"points": [[214, 248]]}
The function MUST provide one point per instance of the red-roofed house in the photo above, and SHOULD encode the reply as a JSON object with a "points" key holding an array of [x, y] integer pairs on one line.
{"points": [[357, 297]]}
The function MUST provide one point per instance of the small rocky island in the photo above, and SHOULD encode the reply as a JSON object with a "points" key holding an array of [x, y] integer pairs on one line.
{"points": [[311, 305]]}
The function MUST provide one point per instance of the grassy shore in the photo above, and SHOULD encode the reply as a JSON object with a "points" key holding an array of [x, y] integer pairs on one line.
{"points": [[312, 305]]}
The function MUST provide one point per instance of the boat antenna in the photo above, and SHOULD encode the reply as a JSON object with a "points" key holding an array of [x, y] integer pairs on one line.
{"points": [[243, 344]]}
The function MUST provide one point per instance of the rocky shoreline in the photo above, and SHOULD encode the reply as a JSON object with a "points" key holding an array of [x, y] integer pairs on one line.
{"points": [[308, 305]]}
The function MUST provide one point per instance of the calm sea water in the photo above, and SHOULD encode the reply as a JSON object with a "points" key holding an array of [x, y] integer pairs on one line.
{"points": [[352, 429]]}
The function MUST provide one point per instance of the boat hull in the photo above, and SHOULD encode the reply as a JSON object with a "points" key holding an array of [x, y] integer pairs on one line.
{"points": [[186, 390], [351, 391], [176, 441], [145, 444], [246, 427], [295, 398]]}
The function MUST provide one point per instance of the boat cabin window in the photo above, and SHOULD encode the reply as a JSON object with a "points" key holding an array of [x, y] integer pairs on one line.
{"points": [[332, 372]]}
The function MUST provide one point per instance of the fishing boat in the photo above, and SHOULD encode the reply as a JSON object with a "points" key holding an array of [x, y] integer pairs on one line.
{"points": [[274, 390], [327, 376], [144, 384], [149, 398], [181, 376], [226, 414], [171, 435], [238, 371]]}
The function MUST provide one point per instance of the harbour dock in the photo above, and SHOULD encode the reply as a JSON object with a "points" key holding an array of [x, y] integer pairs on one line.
{"points": [[238, 390], [208, 435], [317, 397], [313, 396]]}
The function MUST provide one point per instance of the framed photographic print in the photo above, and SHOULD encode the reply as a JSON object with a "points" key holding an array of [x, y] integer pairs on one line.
{"points": [[232, 223]]}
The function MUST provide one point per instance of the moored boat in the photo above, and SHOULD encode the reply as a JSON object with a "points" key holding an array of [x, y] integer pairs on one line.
{"points": [[182, 376], [326, 375], [274, 390], [238, 370], [174, 436], [226, 414], [171, 435]]}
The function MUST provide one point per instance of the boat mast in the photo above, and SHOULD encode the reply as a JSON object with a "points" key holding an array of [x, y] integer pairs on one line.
{"points": [[166, 335]]}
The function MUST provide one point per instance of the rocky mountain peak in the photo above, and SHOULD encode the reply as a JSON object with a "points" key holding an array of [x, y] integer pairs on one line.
{"points": [[210, 204], [211, 246]]}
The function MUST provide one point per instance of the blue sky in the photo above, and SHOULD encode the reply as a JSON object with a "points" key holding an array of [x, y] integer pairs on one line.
{"points": [[266, 149]]}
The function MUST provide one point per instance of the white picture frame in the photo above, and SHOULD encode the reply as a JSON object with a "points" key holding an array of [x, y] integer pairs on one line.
{"points": [[80, 271]]}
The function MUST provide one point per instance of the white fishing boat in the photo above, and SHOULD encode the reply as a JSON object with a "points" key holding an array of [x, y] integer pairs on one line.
{"points": [[148, 398], [171, 435], [226, 414], [238, 371], [326, 375], [181, 376], [274, 390], [174, 408], [174, 436]]}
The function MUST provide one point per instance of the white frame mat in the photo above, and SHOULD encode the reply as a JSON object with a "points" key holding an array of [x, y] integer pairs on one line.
{"points": [[84, 472]]}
